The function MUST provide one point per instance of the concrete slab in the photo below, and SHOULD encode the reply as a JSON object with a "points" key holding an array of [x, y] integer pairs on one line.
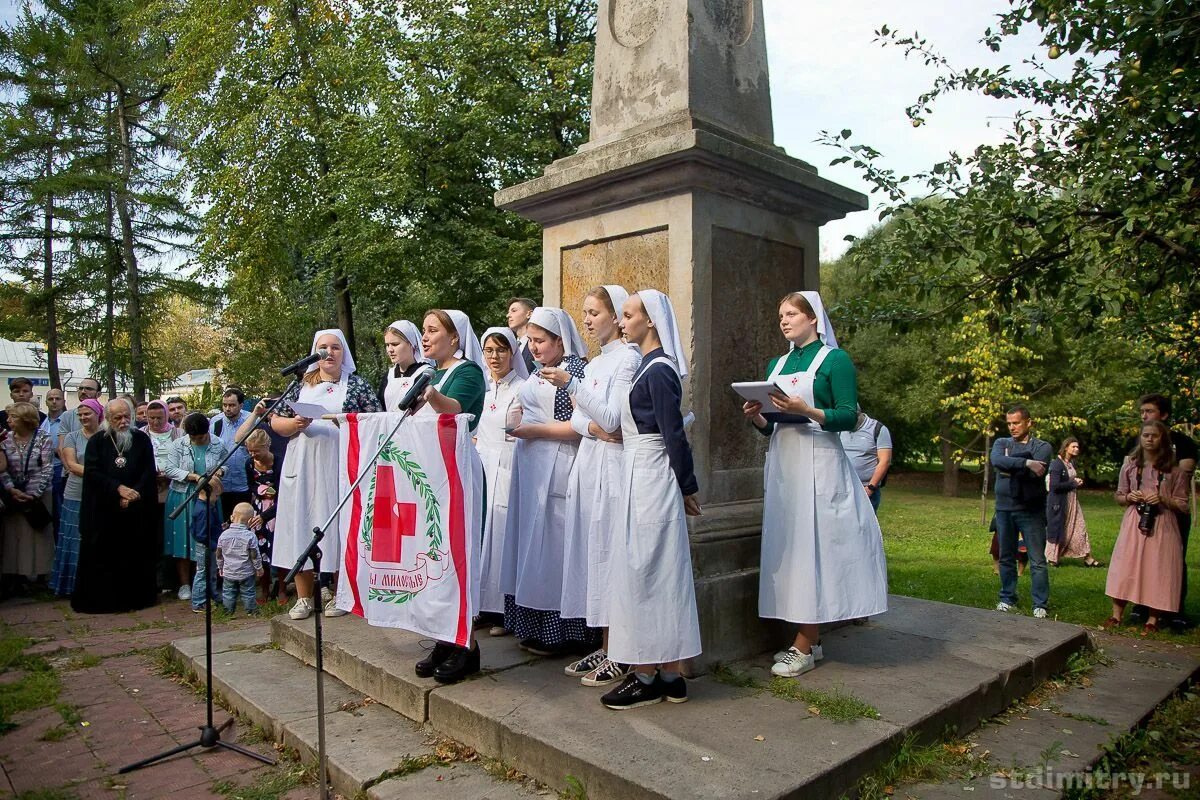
{"points": [[550, 727], [457, 781], [379, 661], [258, 635]]}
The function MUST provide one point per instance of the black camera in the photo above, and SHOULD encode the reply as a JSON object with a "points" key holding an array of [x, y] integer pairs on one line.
{"points": [[1146, 514]]}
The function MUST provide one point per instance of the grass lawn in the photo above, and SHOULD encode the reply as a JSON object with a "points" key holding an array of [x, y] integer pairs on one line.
{"points": [[937, 549]]}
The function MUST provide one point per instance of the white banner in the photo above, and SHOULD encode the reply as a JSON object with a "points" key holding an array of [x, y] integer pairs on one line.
{"points": [[410, 531]]}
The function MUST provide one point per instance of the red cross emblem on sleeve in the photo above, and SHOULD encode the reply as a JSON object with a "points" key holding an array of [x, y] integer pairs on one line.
{"points": [[391, 522], [795, 381], [492, 407]]}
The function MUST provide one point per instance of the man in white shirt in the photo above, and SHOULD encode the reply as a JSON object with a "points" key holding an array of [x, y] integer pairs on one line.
{"points": [[869, 447]]}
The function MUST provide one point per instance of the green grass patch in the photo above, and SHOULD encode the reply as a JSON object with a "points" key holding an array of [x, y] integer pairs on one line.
{"points": [[36, 686], [269, 785], [723, 673], [838, 705], [937, 549], [55, 734], [82, 660], [921, 763], [1168, 745], [575, 789]]}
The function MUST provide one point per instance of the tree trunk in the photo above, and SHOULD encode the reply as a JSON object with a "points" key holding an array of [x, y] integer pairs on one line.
{"points": [[110, 268], [133, 291], [987, 462], [48, 281], [949, 463]]}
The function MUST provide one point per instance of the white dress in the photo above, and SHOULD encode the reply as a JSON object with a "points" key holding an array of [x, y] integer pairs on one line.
{"points": [[538, 505], [594, 488], [501, 409], [395, 388], [308, 485], [652, 614], [822, 550]]}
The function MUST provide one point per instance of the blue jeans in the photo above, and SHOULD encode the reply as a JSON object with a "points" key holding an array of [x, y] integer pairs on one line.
{"points": [[205, 560], [876, 498], [246, 588], [1032, 525]]}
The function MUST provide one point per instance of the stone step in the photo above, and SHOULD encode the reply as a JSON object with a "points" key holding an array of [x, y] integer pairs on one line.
{"points": [[366, 742], [1042, 747], [925, 666]]}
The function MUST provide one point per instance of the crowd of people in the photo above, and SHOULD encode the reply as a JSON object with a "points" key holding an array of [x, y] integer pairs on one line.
{"points": [[1039, 518], [589, 483]]}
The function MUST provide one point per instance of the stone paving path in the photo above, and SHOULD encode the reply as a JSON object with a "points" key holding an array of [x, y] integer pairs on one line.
{"points": [[121, 710]]}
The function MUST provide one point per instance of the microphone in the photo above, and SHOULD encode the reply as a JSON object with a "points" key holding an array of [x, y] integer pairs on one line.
{"points": [[305, 362], [420, 382]]}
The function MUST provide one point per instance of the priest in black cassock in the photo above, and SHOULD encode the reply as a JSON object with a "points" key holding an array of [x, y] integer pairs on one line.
{"points": [[118, 540]]}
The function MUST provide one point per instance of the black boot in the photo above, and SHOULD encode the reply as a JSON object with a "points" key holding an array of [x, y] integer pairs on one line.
{"points": [[461, 663], [429, 664]]}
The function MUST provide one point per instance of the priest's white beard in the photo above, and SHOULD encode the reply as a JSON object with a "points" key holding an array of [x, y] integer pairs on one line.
{"points": [[122, 439]]}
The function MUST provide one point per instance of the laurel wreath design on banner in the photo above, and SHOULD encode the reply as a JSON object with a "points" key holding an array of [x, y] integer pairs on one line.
{"points": [[420, 483]]}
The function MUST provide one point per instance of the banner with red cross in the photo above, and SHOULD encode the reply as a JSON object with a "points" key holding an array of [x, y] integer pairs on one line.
{"points": [[410, 532]]}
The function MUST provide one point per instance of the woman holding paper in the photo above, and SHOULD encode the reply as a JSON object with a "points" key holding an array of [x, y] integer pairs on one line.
{"points": [[546, 450], [822, 552], [501, 413], [402, 341], [448, 342], [653, 623], [308, 489], [594, 511]]}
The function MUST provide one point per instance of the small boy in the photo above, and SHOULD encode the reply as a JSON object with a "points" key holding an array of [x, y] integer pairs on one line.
{"points": [[239, 561]]}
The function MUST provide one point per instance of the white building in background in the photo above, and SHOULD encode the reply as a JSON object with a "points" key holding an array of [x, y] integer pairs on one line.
{"points": [[28, 360], [193, 379]]}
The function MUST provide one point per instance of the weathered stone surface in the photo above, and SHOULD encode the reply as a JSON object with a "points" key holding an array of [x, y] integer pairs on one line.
{"points": [[458, 781]]}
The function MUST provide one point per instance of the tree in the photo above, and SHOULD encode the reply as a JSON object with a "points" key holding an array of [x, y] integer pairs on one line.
{"points": [[1090, 203]]}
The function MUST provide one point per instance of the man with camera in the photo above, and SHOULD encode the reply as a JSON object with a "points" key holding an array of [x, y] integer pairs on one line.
{"points": [[1157, 408], [1020, 460]]}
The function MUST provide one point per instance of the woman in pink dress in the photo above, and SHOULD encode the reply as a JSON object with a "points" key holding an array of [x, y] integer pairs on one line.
{"points": [[1147, 566]]}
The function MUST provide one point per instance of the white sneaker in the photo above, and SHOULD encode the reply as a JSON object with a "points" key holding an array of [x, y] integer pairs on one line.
{"points": [[184, 593], [328, 601], [585, 665], [1004, 608], [818, 653], [303, 608], [1039, 613], [794, 664]]}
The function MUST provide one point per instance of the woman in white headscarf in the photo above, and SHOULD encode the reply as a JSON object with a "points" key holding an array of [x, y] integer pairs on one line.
{"points": [[822, 551], [402, 341], [449, 344], [545, 452], [501, 413], [653, 623], [594, 511], [308, 488]]}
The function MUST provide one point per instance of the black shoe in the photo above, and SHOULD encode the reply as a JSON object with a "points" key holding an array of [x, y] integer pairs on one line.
{"points": [[673, 691], [1181, 625], [634, 693], [539, 649], [461, 663], [1137, 616], [427, 665]]}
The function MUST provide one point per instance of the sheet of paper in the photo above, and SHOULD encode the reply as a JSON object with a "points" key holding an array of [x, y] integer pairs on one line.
{"points": [[757, 391], [310, 410]]}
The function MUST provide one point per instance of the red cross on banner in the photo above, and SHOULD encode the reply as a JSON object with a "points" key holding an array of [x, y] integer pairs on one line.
{"points": [[391, 522]]}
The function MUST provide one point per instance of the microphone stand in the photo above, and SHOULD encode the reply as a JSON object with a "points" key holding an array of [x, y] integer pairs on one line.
{"points": [[313, 553], [210, 735]]}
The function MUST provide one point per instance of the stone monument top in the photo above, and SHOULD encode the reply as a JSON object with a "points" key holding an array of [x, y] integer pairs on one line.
{"points": [[658, 61]]}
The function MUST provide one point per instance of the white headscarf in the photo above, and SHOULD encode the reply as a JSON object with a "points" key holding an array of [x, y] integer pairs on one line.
{"points": [[409, 331], [560, 324], [824, 326], [347, 358], [468, 345], [518, 362], [618, 295], [662, 314]]}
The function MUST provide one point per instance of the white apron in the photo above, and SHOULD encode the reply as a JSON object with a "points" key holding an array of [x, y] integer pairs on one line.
{"points": [[500, 410], [308, 485], [594, 499], [652, 609], [537, 506], [395, 389], [822, 551]]}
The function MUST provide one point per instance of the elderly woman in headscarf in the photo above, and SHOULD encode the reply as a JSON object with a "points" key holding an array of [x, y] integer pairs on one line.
{"points": [[402, 341], [308, 490], [458, 387], [506, 372], [594, 514], [545, 452], [74, 447], [822, 551], [653, 622], [117, 532]]}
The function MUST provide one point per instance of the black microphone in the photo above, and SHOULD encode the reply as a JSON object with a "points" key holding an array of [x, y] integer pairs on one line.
{"points": [[420, 381], [305, 362]]}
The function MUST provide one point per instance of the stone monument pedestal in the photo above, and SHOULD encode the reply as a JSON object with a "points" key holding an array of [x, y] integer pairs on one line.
{"points": [[681, 189]]}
